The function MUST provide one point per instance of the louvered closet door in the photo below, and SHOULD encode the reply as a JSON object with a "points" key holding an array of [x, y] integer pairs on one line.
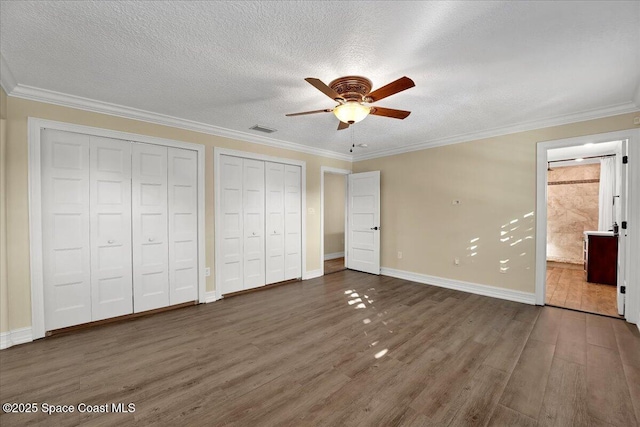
{"points": [[253, 212], [293, 222], [274, 179], [231, 270], [183, 225], [110, 207], [150, 248], [65, 228]]}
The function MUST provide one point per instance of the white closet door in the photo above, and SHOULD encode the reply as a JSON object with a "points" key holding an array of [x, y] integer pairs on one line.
{"points": [[183, 225], [253, 211], [150, 249], [293, 222], [110, 207], [231, 271], [65, 226], [274, 178]]}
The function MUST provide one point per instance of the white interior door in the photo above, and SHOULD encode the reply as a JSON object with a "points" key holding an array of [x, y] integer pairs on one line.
{"points": [[274, 184], [183, 225], [253, 211], [232, 237], [110, 207], [65, 226], [623, 239], [150, 249], [293, 222], [364, 222]]}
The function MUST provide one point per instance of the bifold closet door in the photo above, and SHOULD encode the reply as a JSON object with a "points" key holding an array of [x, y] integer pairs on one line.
{"points": [[110, 208], [274, 236], [293, 222], [66, 243], [232, 236], [253, 213], [150, 227], [183, 225]]}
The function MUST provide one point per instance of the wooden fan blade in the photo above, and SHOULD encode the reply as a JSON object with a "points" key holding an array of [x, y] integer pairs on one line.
{"points": [[392, 88], [390, 112], [342, 125], [326, 110], [318, 84]]}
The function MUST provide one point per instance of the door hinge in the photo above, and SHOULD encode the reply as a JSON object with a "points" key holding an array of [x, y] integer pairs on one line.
{"points": [[623, 225], [625, 160], [623, 289]]}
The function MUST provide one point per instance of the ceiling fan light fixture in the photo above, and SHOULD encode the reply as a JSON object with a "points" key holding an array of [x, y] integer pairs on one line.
{"points": [[351, 112]]}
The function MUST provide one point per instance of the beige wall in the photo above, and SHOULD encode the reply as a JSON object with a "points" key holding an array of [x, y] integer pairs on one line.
{"points": [[4, 296], [18, 110], [572, 208], [334, 194], [495, 180]]}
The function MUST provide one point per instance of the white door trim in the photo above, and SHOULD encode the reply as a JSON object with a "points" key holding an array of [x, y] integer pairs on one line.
{"points": [[35, 126], [217, 152], [323, 170], [633, 209]]}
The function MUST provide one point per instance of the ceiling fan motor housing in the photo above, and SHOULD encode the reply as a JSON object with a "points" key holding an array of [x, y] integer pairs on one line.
{"points": [[352, 88]]}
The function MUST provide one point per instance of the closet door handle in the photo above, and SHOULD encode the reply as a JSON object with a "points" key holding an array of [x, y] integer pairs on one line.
{"points": [[254, 233], [151, 239], [109, 241]]}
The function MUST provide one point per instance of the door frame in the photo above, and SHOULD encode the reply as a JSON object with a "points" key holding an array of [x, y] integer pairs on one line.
{"points": [[632, 304], [345, 173], [34, 128], [217, 152]]}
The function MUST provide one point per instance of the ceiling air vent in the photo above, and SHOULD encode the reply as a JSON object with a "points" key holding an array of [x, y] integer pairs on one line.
{"points": [[264, 129]]}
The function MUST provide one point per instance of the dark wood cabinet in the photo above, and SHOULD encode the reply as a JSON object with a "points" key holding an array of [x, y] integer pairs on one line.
{"points": [[601, 259]]}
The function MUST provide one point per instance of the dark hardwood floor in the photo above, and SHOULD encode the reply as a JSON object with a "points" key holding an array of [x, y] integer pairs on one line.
{"points": [[345, 349], [334, 265]]}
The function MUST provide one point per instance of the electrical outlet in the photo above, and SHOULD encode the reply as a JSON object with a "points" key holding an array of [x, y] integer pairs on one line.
{"points": [[207, 272], [636, 120], [456, 261], [399, 255]]}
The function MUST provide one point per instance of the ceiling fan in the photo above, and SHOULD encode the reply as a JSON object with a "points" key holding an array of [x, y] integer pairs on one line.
{"points": [[352, 93]]}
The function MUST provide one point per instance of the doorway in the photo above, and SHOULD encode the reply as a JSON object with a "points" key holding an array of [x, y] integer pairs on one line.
{"points": [[333, 219], [620, 203], [583, 209]]}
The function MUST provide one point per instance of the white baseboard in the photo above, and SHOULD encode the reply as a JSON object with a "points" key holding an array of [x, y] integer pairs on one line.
{"points": [[312, 274], [210, 296], [334, 255], [15, 337], [458, 285]]}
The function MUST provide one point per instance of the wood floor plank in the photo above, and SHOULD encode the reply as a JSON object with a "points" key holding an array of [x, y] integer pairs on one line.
{"points": [[503, 416], [608, 394], [572, 340], [307, 354], [525, 390], [565, 398]]}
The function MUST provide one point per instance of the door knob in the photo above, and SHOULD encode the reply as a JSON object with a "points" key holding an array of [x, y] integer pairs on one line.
{"points": [[375, 228], [110, 241], [151, 239], [254, 233]]}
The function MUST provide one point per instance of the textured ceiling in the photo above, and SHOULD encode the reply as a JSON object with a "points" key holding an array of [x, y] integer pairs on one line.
{"points": [[477, 66]]}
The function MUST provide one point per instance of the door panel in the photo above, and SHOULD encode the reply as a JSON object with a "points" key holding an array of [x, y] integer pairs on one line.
{"points": [[274, 177], [232, 248], [183, 225], [110, 207], [293, 222], [253, 211], [150, 247], [621, 215], [364, 222], [66, 228]]}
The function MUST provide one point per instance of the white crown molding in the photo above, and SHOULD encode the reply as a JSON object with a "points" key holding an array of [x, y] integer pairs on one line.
{"points": [[614, 110], [7, 81], [458, 285], [636, 98], [72, 101], [15, 337]]}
